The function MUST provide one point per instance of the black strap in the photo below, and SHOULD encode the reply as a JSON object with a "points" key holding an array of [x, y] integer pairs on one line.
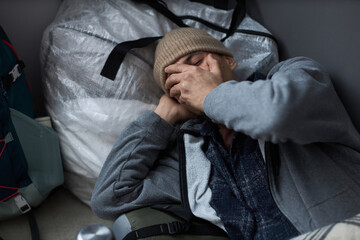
{"points": [[161, 7], [182, 172], [118, 54], [159, 229], [175, 227], [222, 4], [202, 227], [237, 17], [35, 235], [176, 211]]}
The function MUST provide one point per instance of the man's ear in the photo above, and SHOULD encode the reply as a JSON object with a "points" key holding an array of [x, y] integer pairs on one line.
{"points": [[230, 61]]}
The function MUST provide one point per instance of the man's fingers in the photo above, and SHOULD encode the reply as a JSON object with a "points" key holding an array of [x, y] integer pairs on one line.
{"points": [[175, 92], [171, 81], [181, 100], [177, 68], [214, 65]]}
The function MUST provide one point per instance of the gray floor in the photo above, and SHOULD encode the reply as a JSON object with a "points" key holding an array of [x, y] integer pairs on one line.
{"points": [[60, 217]]}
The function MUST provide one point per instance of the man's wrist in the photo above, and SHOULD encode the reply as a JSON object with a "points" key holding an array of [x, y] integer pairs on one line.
{"points": [[166, 115]]}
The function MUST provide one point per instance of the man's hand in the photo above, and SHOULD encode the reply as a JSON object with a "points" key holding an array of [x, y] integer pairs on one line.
{"points": [[172, 111], [191, 84]]}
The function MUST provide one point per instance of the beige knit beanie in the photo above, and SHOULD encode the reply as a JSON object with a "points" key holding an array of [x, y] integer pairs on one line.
{"points": [[180, 42]]}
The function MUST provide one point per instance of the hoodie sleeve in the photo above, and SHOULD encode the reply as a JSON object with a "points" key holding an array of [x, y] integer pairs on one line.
{"points": [[141, 169], [296, 102]]}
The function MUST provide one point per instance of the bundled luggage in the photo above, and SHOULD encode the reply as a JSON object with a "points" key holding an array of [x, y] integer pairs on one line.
{"points": [[89, 110]]}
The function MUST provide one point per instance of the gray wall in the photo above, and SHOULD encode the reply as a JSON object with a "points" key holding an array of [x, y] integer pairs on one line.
{"points": [[24, 22], [325, 30]]}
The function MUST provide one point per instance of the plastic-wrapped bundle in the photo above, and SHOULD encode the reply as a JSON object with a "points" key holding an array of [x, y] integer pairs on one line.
{"points": [[88, 110]]}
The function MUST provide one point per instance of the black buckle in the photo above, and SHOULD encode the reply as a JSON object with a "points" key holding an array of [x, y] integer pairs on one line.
{"points": [[175, 227], [13, 74]]}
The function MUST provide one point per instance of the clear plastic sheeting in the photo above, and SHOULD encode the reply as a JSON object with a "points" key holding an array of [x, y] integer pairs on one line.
{"points": [[88, 110]]}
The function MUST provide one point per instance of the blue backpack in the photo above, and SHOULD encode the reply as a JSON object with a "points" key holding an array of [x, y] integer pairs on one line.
{"points": [[13, 79], [30, 162]]}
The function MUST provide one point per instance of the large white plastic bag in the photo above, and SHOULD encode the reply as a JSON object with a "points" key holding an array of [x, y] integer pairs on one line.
{"points": [[89, 111]]}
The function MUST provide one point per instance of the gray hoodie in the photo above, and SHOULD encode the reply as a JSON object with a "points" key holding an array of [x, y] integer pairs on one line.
{"points": [[318, 175]]}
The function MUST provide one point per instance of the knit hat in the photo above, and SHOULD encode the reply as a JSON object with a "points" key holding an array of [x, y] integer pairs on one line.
{"points": [[180, 42]]}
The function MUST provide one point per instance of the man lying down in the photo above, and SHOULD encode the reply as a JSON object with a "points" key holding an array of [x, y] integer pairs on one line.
{"points": [[310, 178]]}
